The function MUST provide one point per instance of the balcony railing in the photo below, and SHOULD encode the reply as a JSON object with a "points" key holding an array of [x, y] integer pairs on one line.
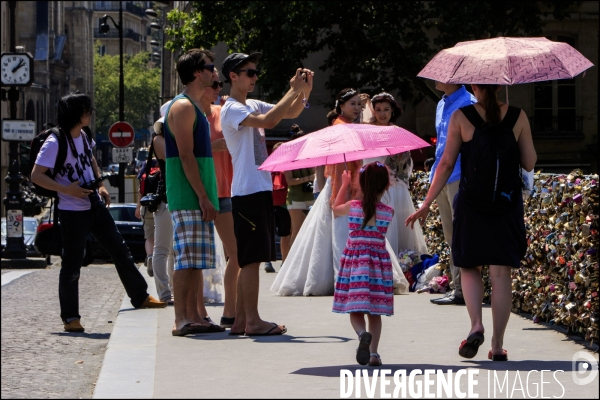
{"points": [[114, 6], [114, 34], [556, 127]]}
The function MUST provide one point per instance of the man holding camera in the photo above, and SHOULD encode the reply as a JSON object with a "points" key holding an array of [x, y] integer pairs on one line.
{"points": [[243, 121], [82, 211]]}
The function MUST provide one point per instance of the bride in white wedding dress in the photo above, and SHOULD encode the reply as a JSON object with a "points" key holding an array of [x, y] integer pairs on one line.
{"points": [[313, 261]]}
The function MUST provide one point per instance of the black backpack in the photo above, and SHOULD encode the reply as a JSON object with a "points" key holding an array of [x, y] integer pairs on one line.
{"points": [[63, 147], [491, 174]]}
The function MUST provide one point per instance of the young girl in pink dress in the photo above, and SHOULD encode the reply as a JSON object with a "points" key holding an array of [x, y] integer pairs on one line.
{"points": [[364, 283]]}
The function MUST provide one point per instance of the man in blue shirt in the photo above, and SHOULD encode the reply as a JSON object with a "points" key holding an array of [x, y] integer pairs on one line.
{"points": [[455, 97]]}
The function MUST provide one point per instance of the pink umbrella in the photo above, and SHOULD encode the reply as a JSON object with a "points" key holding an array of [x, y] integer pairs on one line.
{"points": [[339, 143], [506, 61]]}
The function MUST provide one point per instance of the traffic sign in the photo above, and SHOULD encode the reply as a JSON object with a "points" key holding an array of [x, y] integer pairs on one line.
{"points": [[122, 154], [121, 134]]}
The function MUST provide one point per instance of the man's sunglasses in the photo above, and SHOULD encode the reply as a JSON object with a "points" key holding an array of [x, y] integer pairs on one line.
{"points": [[217, 84], [250, 72], [208, 67]]}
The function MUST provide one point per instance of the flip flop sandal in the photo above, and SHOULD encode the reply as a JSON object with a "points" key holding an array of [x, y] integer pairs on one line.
{"points": [[362, 352], [213, 327], [469, 347], [268, 333], [378, 363], [498, 357], [189, 329], [237, 333]]}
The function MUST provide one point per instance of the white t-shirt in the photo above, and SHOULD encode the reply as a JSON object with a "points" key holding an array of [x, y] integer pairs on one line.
{"points": [[79, 169], [247, 146]]}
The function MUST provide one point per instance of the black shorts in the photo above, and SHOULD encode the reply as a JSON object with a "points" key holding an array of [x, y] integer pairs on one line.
{"points": [[254, 227], [283, 221]]}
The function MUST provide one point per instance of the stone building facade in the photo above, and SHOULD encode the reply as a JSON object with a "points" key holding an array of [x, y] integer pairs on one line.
{"points": [[59, 36]]}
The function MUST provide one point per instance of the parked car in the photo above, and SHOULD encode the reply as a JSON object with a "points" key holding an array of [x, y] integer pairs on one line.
{"points": [[130, 227], [30, 225]]}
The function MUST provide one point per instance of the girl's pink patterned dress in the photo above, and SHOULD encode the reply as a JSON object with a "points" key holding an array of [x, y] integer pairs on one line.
{"points": [[365, 279]]}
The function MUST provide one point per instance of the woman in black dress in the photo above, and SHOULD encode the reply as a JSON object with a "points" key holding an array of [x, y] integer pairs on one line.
{"points": [[484, 235]]}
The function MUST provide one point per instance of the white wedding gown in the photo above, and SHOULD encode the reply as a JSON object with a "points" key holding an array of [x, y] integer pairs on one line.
{"points": [[314, 259]]}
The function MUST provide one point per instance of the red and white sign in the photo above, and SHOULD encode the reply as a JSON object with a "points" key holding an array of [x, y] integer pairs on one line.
{"points": [[121, 134]]}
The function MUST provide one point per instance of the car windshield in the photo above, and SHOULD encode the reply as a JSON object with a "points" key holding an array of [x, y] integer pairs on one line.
{"points": [[123, 214], [29, 227]]}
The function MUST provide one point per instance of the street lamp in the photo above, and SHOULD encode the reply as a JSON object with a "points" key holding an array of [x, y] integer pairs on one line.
{"points": [[155, 54], [104, 28]]}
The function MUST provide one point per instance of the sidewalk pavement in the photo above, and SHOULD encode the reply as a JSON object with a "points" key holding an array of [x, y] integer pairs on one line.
{"points": [[143, 359]]}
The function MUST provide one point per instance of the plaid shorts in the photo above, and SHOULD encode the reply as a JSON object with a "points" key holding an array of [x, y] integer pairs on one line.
{"points": [[193, 240]]}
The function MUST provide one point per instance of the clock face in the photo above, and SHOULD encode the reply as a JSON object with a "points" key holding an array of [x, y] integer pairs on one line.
{"points": [[16, 69]]}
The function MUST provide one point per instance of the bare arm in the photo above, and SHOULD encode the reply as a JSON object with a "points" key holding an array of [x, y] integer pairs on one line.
{"points": [[39, 177], [298, 105], [101, 188], [444, 169], [159, 147], [340, 207], [525, 142], [218, 145], [182, 126], [277, 113], [291, 181], [321, 177]]}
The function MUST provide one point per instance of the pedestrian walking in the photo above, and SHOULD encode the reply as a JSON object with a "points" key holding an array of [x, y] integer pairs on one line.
{"points": [[455, 96], [224, 222], [243, 122], [494, 142], [162, 253], [364, 283], [192, 192], [83, 211]]}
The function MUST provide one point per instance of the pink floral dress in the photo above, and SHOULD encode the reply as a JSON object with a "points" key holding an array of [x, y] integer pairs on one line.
{"points": [[365, 280]]}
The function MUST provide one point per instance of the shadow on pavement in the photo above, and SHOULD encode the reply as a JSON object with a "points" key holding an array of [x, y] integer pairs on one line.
{"points": [[103, 336], [273, 338], [526, 365]]}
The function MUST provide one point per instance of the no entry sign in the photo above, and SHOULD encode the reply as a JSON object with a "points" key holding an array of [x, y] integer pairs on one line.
{"points": [[121, 134]]}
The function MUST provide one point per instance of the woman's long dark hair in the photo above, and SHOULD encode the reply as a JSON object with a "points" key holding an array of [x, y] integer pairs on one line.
{"points": [[490, 103], [374, 180], [342, 97]]}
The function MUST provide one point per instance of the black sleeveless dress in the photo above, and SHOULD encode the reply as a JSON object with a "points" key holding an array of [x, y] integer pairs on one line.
{"points": [[481, 238]]}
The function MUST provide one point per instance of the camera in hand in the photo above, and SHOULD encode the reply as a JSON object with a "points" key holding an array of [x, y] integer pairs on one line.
{"points": [[95, 199], [151, 201]]}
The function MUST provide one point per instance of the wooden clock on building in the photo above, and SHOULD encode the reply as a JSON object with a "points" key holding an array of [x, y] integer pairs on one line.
{"points": [[17, 69]]}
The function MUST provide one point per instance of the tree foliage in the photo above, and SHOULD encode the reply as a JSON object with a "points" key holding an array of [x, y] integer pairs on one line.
{"points": [[370, 44], [141, 87]]}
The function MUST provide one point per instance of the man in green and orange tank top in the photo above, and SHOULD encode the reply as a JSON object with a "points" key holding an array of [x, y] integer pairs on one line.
{"points": [[192, 192]]}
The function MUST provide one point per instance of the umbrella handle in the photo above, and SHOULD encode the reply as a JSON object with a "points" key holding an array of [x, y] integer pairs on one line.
{"points": [[345, 166]]}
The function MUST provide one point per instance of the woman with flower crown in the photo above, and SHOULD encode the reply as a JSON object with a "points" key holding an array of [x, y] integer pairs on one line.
{"points": [[385, 111]]}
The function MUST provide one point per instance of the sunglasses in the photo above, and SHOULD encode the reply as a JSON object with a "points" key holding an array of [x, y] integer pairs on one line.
{"points": [[208, 67], [217, 84], [250, 72]]}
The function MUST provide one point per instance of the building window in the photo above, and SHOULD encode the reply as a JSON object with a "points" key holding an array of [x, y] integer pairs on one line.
{"points": [[555, 104], [102, 50]]}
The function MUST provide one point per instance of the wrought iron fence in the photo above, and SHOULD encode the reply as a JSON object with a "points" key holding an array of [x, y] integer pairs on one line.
{"points": [[114, 34]]}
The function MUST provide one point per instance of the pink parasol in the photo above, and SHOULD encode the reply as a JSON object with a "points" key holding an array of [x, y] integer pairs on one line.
{"points": [[506, 61], [339, 143]]}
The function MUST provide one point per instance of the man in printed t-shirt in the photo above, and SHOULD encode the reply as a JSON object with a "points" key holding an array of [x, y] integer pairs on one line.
{"points": [[82, 212], [243, 122]]}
